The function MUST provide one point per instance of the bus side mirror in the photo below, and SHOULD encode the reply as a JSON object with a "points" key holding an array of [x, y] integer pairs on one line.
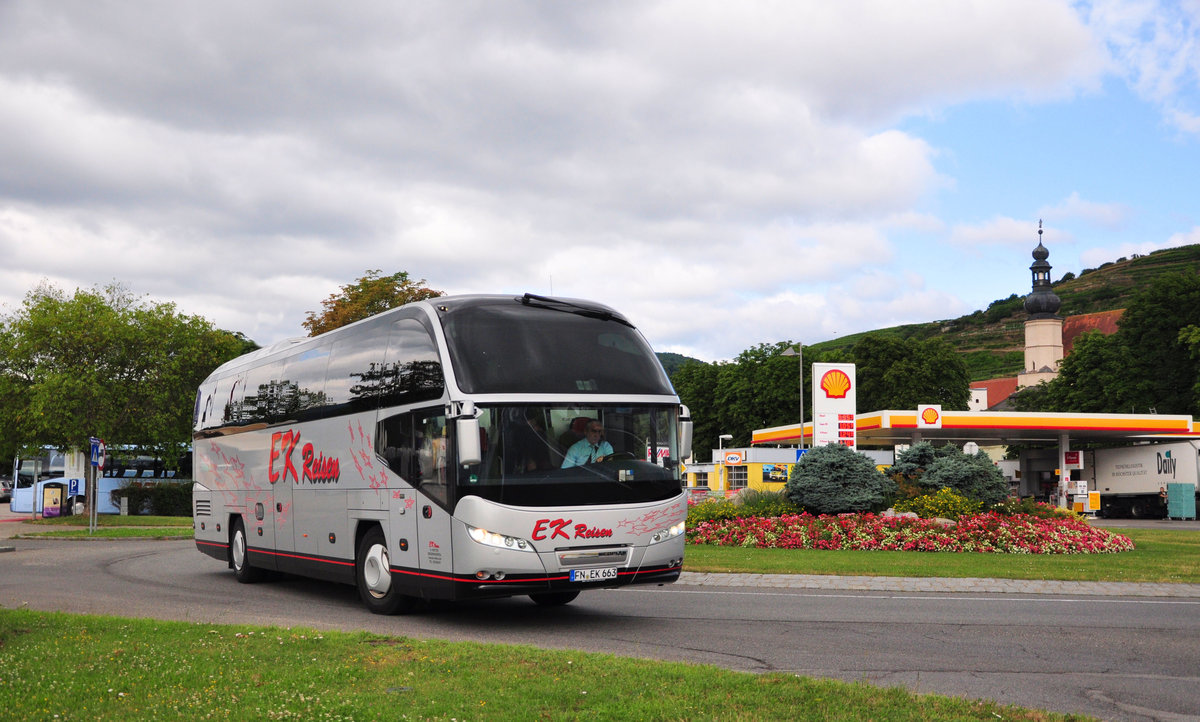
{"points": [[685, 433], [469, 450]]}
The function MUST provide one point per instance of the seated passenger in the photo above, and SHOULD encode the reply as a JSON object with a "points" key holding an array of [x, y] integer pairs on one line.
{"points": [[590, 449], [530, 449], [574, 432]]}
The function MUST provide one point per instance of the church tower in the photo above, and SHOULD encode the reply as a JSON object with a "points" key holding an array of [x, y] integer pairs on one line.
{"points": [[1043, 330]]}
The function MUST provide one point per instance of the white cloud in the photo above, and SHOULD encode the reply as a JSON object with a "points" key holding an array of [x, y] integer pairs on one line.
{"points": [[1094, 257], [1156, 47], [1000, 231], [725, 173], [1106, 215]]}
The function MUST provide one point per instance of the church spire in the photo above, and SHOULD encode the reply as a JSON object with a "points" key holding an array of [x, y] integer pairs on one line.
{"points": [[1042, 302]]}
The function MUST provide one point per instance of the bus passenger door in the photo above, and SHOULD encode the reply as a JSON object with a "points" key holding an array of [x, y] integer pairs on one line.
{"points": [[396, 448], [434, 492]]}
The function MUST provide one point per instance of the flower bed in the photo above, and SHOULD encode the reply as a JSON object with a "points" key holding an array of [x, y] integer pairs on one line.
{"points": [[993, 533]]}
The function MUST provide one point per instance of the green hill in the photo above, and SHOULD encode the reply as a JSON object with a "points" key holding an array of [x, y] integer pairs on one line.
{"points": [[672, 361], [993, 340]]}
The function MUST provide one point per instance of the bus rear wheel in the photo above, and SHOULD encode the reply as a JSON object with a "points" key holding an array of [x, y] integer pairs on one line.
{"points": [[239, 556], [373, 576], [553, 599]]}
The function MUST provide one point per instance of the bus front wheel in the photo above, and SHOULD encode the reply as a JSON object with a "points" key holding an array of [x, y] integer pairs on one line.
{"points": [[239, 556], [373, 576]]}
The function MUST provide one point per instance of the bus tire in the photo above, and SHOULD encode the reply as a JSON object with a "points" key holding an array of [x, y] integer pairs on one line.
{"points": [[239, 556], [75, 506], [553, 599], [373, 576]]}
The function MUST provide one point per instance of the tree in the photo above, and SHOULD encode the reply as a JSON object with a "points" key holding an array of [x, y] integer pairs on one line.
{"points": [[367, 296], [103, 363], [895, 373], [835, 479], [1149, 363], [1163, 369], [695, 382], [1094, 378]]}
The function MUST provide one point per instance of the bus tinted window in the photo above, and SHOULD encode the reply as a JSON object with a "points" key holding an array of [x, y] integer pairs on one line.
{"points": [[412, 370], [264, 396], [229, 399], [513, 348], [355, 377], [304, 376]]}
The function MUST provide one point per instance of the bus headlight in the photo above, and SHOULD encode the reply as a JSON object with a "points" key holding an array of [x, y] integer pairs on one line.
{"points": [[670, 533], [500, 541]]}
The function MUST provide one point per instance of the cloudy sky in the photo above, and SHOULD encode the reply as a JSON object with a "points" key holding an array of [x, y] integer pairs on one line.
{"points": [[724, 173]]}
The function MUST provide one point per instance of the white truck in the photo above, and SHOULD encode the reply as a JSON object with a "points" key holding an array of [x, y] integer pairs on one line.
{"points": [[1132, 480]]}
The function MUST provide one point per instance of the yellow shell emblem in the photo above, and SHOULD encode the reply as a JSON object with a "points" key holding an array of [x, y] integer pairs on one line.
{"points": [[835, 384], [929, 416]]}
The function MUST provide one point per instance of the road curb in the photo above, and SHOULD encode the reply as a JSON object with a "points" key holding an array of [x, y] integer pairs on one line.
{"points": [[966, 585]]}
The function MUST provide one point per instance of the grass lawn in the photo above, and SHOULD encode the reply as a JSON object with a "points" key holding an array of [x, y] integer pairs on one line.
{"points": [[113, 526], [59, 666], [1159, 556]]}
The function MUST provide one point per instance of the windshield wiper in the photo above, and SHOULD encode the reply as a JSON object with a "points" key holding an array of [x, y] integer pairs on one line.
{"points": [[557, 304]]}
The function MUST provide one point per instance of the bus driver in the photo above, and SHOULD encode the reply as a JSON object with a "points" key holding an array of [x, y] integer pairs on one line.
{"points": [[590, 449]]}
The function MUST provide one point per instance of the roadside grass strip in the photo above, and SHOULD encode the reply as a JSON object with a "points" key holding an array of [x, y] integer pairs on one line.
{"points": [[62, 667], [112, 526]]}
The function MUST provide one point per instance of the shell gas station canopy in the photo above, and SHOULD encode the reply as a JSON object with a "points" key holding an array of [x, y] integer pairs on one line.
{"points": [[880, 429]]}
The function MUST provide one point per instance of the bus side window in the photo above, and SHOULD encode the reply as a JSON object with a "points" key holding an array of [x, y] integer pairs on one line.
{"points": [[395, 439], [431, 440], [414, 447]]}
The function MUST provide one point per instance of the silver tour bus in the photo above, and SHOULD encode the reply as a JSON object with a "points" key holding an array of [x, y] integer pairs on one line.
{"points": [[454, 448]]}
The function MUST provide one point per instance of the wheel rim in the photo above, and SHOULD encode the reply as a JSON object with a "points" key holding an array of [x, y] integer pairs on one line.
{"points": [[239, 549], [376, 572]]}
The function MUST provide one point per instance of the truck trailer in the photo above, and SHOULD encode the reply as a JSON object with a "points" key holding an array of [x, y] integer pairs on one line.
{"points": [[1133, 480]]}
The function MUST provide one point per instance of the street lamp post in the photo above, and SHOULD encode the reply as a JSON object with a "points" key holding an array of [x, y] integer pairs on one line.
{"points": [[721, 456], [798, 350]]}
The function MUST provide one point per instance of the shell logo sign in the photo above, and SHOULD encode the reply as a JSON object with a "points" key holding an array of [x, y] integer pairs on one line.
{"points": [[929, 416], [834, 405], [835, 384]]}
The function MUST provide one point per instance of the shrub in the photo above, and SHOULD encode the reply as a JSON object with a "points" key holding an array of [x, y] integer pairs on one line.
{"points": [[944, 504], [913, 461], [755, 502], [165, 498], [1030, 507], [974, 476], [712, 510], [834, 479]]}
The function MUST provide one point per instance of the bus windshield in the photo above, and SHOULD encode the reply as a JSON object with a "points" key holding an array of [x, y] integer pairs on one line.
{"points": [[549, 348], [560, 455]]}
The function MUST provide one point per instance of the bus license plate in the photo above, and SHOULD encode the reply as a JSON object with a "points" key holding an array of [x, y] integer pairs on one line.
{"points": [[593, 575]]}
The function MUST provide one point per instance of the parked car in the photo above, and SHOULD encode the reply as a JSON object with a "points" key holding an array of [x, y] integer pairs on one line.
{"points": [[5, 490]]}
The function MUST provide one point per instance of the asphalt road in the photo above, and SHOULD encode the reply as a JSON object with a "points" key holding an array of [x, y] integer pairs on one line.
{"points": [[1121, 658]]}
